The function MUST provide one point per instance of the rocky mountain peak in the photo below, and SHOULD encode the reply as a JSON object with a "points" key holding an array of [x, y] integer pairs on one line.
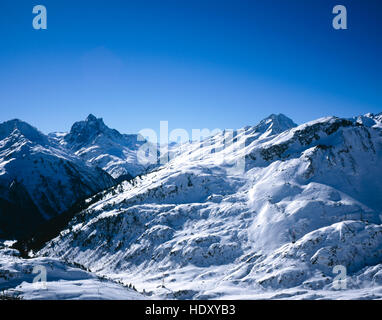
{"points": [[274, 124], [84, 132]]}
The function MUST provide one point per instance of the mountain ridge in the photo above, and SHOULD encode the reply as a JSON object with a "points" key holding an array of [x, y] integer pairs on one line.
{"points": [[209, 230]]}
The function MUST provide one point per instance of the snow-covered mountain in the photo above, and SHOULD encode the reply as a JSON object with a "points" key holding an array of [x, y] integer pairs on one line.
{"points": [[263, 212], [39, 179], [106, 148]]}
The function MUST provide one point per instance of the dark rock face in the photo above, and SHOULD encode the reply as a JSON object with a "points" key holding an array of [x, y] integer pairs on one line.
{"points": [[84, 132]]}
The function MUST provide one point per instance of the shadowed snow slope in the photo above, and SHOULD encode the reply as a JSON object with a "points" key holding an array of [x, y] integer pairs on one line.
{"points": [[39, 179], [264, 212]]}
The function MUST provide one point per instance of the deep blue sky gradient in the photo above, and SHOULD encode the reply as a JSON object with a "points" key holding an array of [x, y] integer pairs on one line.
{"points": [[196, 63]]}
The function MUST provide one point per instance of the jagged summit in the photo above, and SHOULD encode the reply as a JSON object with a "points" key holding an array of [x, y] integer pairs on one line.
{"points": [[92, 121], [83, 132], [92, 117], [101, 146]]}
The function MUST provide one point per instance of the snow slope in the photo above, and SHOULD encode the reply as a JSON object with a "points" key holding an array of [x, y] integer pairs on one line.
{"points": [[39, 179], [263, 212], [103, 147], [63, 282]]}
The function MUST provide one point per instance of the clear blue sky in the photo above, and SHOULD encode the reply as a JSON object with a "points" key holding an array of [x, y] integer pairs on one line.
{"points": [[196, 63]]}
